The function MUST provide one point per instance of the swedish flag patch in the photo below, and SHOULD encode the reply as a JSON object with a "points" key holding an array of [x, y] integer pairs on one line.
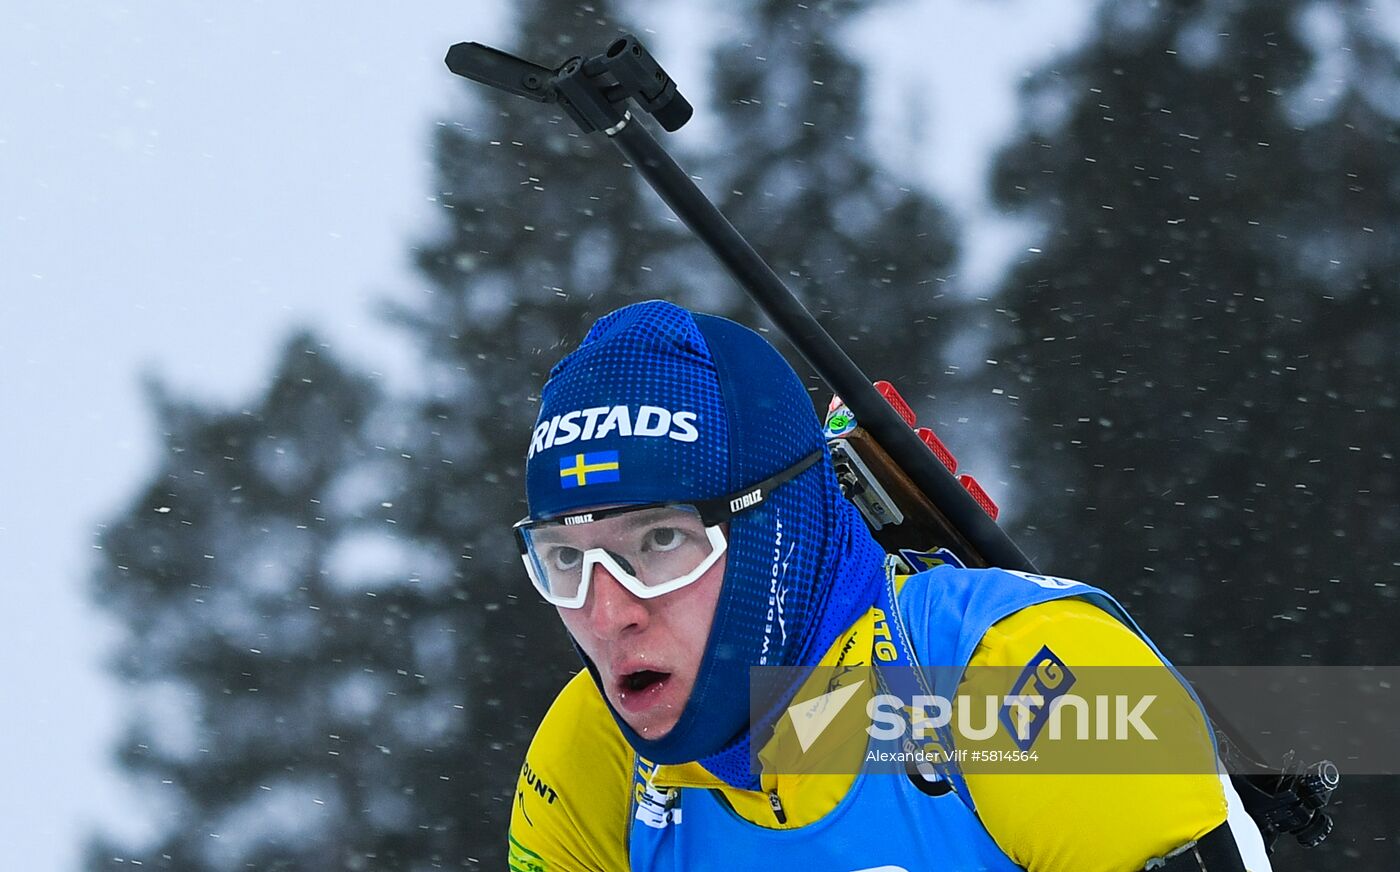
{"points": [[596, 467]]}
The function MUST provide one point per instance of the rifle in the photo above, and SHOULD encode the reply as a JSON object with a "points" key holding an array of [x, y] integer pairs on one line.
{"points": [[901, 477]]}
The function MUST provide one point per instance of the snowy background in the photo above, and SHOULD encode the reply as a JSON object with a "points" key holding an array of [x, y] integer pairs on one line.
{"points": [[180, 185]]}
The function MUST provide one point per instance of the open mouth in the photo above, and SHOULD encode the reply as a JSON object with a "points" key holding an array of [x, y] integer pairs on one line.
{"points": [[640, 691], [636, 682]]}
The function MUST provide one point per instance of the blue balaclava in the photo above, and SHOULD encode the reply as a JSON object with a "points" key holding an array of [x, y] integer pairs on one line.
{"points": [[710, 408]]}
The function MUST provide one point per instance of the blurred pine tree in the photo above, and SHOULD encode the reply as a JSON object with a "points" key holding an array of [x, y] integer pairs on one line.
{"points": [[1204, 354], [271, 610], [795, 172]]}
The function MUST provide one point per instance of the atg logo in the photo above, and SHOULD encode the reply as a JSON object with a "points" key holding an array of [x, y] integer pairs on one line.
{"points": [[584, 425], [1045, 679]]}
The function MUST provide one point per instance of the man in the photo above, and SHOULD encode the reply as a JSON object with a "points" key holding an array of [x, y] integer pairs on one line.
{"points": [[685, 521]]}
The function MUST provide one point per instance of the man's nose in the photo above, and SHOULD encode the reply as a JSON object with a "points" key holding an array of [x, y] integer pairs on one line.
{"points": [[612, 609]]}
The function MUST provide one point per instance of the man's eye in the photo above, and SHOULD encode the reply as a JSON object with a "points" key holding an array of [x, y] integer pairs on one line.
{"points": [[663, 539], [564, 559]]}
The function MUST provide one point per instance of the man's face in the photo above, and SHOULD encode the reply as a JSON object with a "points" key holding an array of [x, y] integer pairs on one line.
{"points": [[647, 651]]}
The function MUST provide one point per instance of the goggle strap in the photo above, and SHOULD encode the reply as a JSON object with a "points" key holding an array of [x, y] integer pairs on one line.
{"points": [[720, 509]]}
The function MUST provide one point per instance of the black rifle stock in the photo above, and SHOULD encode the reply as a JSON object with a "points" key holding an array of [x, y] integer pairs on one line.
{"points": [[594, 93]]}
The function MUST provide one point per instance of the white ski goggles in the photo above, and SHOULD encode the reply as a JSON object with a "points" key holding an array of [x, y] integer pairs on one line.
{"points": [[650, 549]]}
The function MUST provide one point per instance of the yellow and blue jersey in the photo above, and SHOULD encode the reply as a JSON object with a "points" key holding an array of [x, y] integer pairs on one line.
{"points": [[585, 802]]}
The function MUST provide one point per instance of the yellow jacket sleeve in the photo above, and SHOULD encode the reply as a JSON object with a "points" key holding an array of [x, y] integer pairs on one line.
{"points": [[570, 808], [1095, 821]]}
